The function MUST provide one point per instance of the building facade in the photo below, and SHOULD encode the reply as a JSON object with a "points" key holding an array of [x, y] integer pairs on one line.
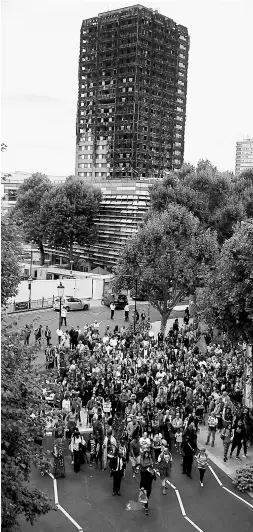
{"points": [[131, 109], [244, 156], [10, 183], [122, 209]]}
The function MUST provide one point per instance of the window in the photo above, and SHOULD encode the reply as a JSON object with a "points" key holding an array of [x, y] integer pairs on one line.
{"points": [[81, 174]]}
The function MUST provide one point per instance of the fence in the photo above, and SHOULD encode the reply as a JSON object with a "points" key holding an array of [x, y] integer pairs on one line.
{"points": [[36, 304]]}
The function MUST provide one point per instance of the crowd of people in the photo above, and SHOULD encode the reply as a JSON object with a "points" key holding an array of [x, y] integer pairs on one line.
{"points": [[145, 397]]}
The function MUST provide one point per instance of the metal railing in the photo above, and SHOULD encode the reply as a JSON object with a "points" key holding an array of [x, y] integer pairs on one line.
{"points": [[22, 306]]}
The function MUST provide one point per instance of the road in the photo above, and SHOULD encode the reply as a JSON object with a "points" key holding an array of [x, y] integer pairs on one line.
{"points": [[87, 498]]}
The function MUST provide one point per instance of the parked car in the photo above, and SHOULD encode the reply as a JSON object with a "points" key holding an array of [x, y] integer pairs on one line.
{"points": [[120, 300], [71, 303]]}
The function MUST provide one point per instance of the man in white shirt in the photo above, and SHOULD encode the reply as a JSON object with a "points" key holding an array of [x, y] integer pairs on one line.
{"points": [[126, 309], [145, 442], [113, 342], [112, 307], [64, 315], [59, 333]]}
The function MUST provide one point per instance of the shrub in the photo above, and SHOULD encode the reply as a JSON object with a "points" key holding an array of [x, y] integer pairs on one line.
{"points": [[244, 478]]}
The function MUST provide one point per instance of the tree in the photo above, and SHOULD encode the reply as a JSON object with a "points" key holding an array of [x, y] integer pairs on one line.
{"points": [[226, 300], [168, 255], [27, 210], [207, 193], [10, 253], [68, 211], [22, 421]]}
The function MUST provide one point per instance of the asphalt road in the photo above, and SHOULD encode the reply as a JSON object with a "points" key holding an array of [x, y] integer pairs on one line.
{"points": [[87, 497]]}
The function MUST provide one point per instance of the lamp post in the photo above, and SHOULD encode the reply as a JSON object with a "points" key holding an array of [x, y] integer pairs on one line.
{"points": [[135, 303], [30, 280], [71, 266], [60, 289]]}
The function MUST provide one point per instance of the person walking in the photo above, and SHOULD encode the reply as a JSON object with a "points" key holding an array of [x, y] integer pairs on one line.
{"points": [[126, 309], [38, 334], [59, 333], [118, 467], [109, 448], [212, 424], [164, 465], [75, 447], [202, 465], [64, 316], [27, 334], [135, 453], [112, 308], [147, 476], [48, 335], [227, 437], [238, 438], [143, 316], [91, 449], [66, 407], [189, 445]]}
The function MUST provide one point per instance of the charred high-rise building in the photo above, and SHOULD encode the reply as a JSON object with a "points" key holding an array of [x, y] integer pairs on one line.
{"points": [[132, 95]]}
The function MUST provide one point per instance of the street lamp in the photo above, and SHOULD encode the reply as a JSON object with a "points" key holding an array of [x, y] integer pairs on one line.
{"points": [[60, 289], [30, 280], [135, 303], [71, 266]]}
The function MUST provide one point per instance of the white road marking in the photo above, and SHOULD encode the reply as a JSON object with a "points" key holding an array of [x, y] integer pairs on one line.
{"points": [[180, 503], [240, 498], [171, 485], [79, 528], [215, 476], [193, 524], [55, 492]]}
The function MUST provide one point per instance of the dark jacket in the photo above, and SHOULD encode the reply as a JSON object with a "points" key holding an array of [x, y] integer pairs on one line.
{"points": [[114, 463]]}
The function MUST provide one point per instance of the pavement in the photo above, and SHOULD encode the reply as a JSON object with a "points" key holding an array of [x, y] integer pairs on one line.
{"points": [[216, 455]]}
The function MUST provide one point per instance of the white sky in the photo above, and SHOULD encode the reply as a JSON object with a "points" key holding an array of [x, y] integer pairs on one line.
{"points": [[40, 48]]}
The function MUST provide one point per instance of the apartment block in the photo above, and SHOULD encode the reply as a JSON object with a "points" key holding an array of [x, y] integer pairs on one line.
{"points": [[244, 156], [131, 110]]}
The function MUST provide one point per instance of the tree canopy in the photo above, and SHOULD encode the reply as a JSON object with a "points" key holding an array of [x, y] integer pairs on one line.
{"points": [[27, 210], [226, 300], [68, 212], [210, 195], [168, 255], [10, 255], [23, 419]]}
